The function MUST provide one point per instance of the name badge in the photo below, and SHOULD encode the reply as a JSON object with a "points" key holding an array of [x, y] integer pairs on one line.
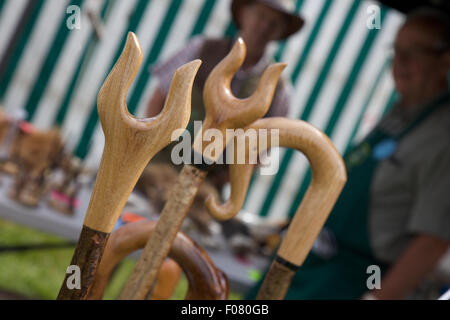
{"points": [[384, 149]]}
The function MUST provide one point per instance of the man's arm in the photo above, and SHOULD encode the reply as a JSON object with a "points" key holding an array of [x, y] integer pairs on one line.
{"points": [[429, 221], [417, 261]]}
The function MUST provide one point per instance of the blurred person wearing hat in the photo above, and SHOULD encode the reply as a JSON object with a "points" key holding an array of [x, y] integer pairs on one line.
{"points": [[394, 211], [259, 22]]}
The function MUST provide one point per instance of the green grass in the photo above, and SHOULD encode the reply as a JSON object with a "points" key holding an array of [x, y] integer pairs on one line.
{"points": [[38, 274], [35, 273]]}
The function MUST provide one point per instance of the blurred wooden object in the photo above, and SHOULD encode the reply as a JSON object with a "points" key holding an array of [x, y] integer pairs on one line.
{"points": [[35, 151], [97, 25], [63, 194], [206, 282], [4, 124], [11, 128]]}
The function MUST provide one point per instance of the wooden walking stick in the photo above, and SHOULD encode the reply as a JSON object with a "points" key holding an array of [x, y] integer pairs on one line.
{"points": [[223, 111], [328, 179], [130, 143], [205, 281]]}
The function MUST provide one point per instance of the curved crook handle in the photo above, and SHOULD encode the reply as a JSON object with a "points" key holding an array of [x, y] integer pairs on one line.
{"points": [[328, 178], [223, 109], [130, 143], [206, 282]]}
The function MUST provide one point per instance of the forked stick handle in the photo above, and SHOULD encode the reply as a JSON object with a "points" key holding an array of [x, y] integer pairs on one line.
{"points": [[130, 143], [225, 111]]}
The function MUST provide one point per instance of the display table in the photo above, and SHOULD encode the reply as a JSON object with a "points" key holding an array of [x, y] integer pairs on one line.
{"points": [[46, 219]]}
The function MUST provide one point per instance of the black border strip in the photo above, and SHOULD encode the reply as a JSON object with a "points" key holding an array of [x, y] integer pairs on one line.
{"points": [[286, 263]]}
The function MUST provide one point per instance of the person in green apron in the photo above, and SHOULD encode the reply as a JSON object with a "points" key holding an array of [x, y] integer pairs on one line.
{"points": [[393, 216]]}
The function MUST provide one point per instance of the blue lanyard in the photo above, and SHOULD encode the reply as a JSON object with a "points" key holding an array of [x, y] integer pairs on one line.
{"points": [[386, 147]]}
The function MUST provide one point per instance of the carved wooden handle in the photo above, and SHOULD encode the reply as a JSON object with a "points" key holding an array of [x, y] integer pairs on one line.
{"points": [[223, 111], [130, 143], [206, 282], [328, 179]]}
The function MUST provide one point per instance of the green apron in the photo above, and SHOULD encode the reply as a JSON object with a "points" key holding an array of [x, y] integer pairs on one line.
{"points": [[338, 268]]}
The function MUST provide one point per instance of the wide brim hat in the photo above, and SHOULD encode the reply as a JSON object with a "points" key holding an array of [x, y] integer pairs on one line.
{"points": [[293, 20]]}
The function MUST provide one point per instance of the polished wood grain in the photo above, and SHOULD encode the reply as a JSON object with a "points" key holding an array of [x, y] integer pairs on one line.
{"points": [[223, 110], [130, 143]]}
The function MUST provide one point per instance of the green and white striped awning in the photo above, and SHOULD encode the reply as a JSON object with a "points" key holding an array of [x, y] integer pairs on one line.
{"points": [[340, 70]]}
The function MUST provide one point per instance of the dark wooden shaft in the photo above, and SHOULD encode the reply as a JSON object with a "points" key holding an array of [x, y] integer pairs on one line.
{"points": [[276, 283], [87, 256]]}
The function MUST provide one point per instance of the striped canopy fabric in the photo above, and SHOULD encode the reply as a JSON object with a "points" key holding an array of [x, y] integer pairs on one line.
{"points": [[339, 68]]}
